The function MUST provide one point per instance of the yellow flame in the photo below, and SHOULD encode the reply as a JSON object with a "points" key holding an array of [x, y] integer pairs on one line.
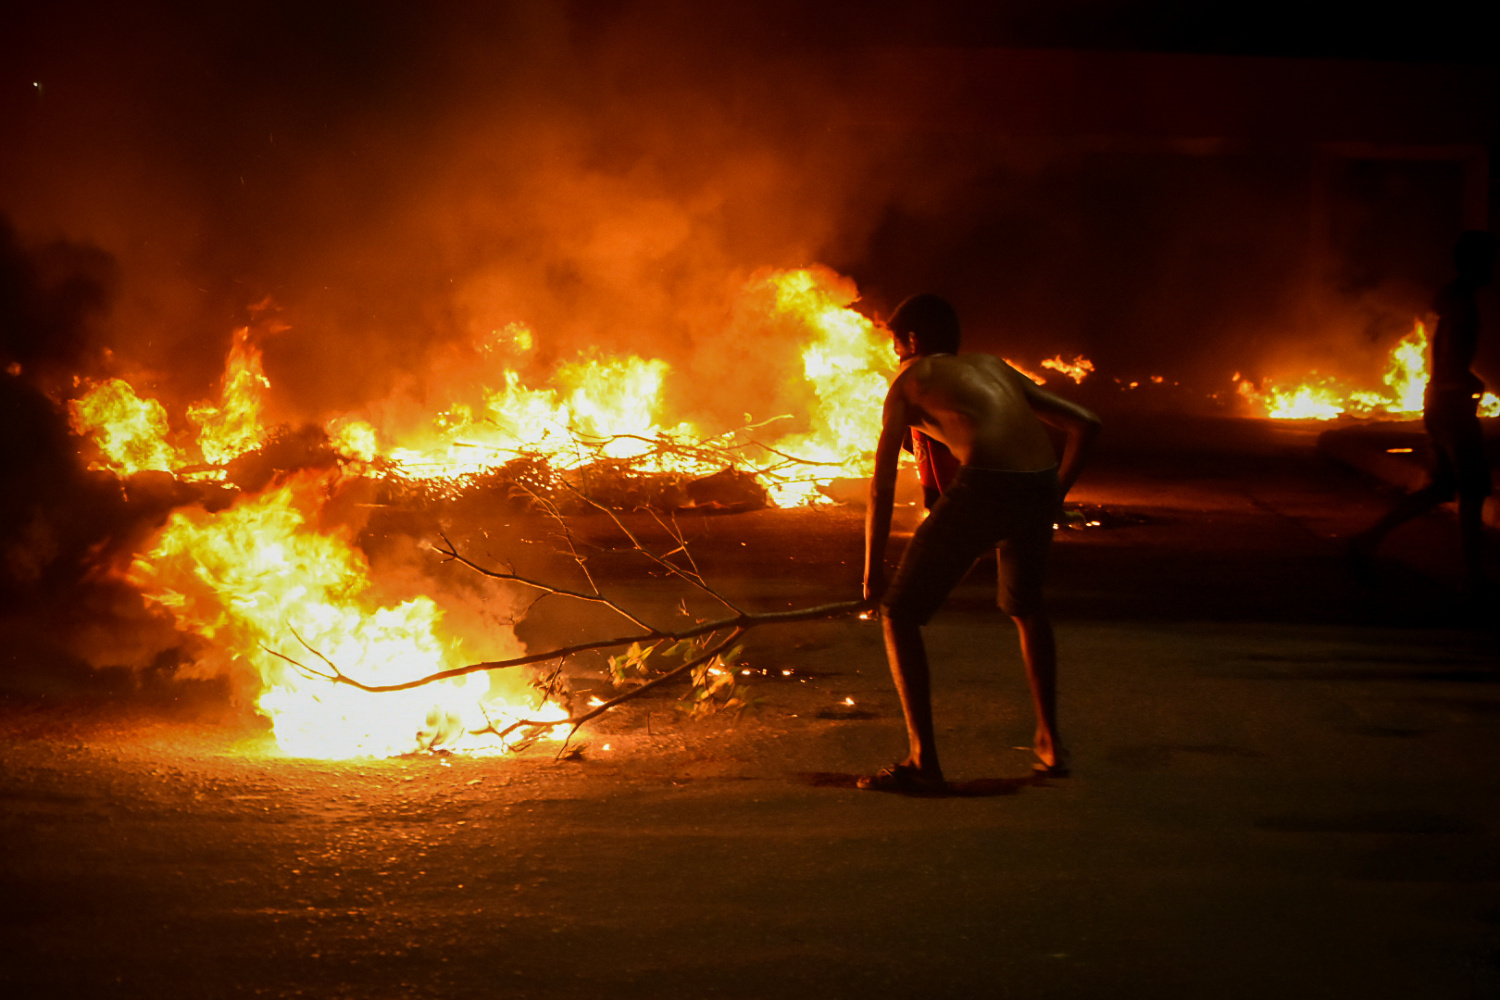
{"points": [[1078, 369], [353, 438], [130, 432], [1324, 397], [598, 406], [234, 426], [846, 363], [1308, 401], [1034, 376], [260, 577]]}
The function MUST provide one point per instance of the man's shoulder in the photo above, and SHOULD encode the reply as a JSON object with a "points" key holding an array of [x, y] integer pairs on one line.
{"points": [[1453, 297]]}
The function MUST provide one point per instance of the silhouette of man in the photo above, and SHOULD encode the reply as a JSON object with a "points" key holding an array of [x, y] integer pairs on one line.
{"points": [[1006, 495], [1450, 412]]}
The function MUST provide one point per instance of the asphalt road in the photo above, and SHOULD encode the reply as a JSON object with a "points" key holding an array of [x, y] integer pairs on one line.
{"points": [[1284, 786]]}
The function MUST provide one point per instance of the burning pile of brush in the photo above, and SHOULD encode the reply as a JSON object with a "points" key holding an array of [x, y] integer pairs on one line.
{"points": [[251, 563]]}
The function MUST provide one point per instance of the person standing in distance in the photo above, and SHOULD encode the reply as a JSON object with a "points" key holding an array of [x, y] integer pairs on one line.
{"points": [[1450, 413]]}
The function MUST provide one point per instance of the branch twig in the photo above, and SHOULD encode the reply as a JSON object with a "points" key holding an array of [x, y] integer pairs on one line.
{"points": [[741, 622]]}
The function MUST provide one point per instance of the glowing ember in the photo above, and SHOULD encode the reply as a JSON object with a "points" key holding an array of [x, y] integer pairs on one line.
{"points": [[1078, 369]]}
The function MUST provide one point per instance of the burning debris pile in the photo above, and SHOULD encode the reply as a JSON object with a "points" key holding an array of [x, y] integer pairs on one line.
{"points": [[253, 564], [1327, 397], [596, 424]]}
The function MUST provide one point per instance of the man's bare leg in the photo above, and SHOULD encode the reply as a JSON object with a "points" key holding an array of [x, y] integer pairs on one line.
{"points": [[1410, 507], [1039, 650], [908, 658], [1471, 539]]}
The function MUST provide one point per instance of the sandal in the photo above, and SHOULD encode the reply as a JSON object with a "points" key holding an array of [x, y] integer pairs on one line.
{"points": [[903, 778], [1062, 767]]}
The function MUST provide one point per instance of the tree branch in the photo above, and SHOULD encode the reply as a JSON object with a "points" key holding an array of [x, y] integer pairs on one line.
{"points": [[453, 555], [692, 578], [575, 721], [741, 622]]}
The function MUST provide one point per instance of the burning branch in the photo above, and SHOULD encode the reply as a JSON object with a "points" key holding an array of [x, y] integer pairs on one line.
{"points": [[451, 554], [692, 576], [595, 476], [575, 721], [740, 622], [256, 558], [704, 635]]}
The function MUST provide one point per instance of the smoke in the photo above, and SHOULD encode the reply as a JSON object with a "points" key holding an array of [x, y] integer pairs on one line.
{"points": [[50, 297], [401, 182], [64, 532], [404, 180]]}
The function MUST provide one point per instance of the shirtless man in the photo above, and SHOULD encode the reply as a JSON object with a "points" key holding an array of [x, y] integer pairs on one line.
{"points": [[1007, 494], [1450, 414]]}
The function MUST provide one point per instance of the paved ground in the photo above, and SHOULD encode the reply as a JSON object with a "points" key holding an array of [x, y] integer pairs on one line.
{"points": [[1284, 787]]}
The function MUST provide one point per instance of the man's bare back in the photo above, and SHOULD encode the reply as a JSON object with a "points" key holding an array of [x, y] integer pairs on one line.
{"points": [[975, 404], [989, 415]]}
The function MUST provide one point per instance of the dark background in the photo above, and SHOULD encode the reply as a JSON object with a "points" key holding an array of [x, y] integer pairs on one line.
{"points": [[1166, 188]]}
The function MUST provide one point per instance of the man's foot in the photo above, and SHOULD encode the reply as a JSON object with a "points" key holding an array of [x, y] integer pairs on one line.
{"points": [[1477, 584], [903, 778], [1061, 767], [1359, 556], [1478, 596]]}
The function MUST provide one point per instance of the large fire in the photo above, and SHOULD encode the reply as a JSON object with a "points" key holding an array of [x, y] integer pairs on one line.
{"points": [[265, 583], [1326, 397], [260, 576]]}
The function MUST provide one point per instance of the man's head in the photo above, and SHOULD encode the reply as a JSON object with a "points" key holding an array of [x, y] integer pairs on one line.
{"points": [[1474, 256], [925, 324]]}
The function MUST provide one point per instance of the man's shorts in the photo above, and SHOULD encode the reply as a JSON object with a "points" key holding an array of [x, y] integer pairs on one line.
{"points": [[1459, 464], [1012, 512]]}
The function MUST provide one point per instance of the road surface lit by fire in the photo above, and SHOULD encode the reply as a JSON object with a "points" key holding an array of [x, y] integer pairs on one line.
{"points": [[1282, 778]]}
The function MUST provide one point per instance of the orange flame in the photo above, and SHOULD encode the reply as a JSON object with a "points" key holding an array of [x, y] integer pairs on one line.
{"points": [[1325, 397], [1078, 369], [1038, 379], [599, 406], [234, 426], [846, 363], [130, 432], [260, 577], [596, 407]]}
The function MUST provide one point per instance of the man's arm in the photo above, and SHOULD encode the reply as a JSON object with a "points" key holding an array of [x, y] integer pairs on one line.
{"points": [[883, 493], [1079, 426], [1455, 341]]}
